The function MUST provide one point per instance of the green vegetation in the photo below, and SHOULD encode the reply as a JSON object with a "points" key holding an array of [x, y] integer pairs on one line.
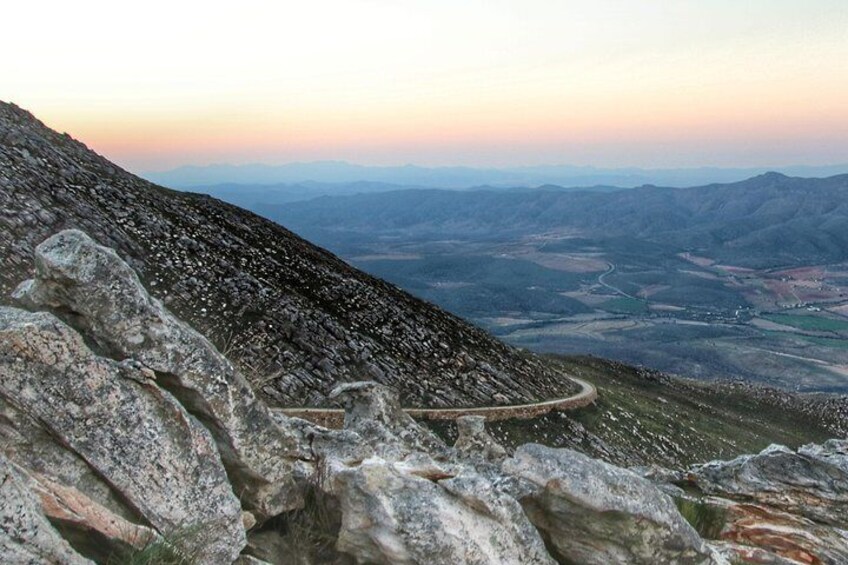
{"points": [[161, 551], [811, 323], [707, 519], [643, 418], [835, 343], [304, 536], [625, 305]]}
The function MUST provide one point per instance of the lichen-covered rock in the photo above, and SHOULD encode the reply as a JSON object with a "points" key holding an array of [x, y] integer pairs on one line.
{"points": [[782, 535], [26, 536], [473, 439], [133, 434], [393, 516], [99, 293], [97, 531], [812, 481], [595, 513], [28, 444], [373, 411], [403, 498]]}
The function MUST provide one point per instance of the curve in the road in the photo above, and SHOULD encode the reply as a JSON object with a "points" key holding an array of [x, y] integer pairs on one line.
{"points": [[334, 417]]}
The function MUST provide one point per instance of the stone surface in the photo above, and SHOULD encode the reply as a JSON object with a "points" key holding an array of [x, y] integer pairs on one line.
{"points": [[92, 526], [596, 513], [473, 439], [133, 434], [373, 411], [392, 516], [784, 536], [26, 536], [811, 482], [102, 295]]}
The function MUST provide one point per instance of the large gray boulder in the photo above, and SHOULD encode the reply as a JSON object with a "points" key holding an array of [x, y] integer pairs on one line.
{"points": [[474, 441], [134, 435], [405, 498], [96, 291], [373, 411], [811, 482], [393, 513], [26, 536], [595, 513]]}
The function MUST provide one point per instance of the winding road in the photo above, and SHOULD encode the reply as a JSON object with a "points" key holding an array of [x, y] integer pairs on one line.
{"points": [[334, 417], [610, 270]]}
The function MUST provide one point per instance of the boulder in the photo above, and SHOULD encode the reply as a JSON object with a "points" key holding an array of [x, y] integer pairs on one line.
{"points": [[97, 292], [475, 441], [811, 482], [26, 536], [405, 498], [94, 530], [373, 411], [134, 435], [592, 512], [392, 515]]}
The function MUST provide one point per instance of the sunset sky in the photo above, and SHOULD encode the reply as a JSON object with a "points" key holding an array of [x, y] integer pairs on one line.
{"points": [[660, 83]]}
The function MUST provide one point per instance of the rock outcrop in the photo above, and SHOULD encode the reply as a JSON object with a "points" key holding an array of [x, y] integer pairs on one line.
{"points": [[99, 292], [26, 536], [473, 439], [127, 430], [595, 513], [811, 482]]}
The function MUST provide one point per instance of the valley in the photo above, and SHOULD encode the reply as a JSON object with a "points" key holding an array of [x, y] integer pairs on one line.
{"points": [[694, 302]]}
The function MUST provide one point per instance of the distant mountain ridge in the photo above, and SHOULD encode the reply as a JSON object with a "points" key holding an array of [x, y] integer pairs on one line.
{"points": [[767, 220], [341, 172]]}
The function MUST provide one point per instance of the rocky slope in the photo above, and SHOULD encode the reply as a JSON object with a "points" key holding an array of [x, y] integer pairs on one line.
{"points": [[125, 435], [297, 317], [644, 417]]}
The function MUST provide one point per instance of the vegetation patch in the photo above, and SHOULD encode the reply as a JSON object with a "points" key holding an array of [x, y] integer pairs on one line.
{"points": [[707, 519], [625, 305], [810, 323]]}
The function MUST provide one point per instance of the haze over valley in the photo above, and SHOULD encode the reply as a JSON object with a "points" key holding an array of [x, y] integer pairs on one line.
{"points": [[747, 280]]}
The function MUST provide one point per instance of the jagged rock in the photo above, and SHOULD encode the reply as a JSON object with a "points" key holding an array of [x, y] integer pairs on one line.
{"points": [[29, 445], [26, 536], [811, 482], [102, 295], [373, 411], [595, 513], [102, 533], [473, 439], [392, 516], [133, 434], [784, 536], [402, 500]]}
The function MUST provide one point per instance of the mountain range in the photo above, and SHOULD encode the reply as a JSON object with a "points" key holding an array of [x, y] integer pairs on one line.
{"points": [[341, 172]]}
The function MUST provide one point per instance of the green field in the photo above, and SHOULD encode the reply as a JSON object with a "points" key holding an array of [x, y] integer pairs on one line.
{"points": [[811, 323], [624, 305]]}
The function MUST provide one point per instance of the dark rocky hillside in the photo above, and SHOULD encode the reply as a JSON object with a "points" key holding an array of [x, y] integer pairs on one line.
{"points": [[297, 318]]}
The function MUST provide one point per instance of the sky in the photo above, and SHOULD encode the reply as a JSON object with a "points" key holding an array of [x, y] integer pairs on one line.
{"points": [[610, 83]]}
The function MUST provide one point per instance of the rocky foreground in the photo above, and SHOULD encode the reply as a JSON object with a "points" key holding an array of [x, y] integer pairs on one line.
{"points": [[124, 431]]}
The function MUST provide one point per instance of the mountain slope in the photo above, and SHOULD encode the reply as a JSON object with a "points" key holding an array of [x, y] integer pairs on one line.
{"points": [[298, 318]]}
